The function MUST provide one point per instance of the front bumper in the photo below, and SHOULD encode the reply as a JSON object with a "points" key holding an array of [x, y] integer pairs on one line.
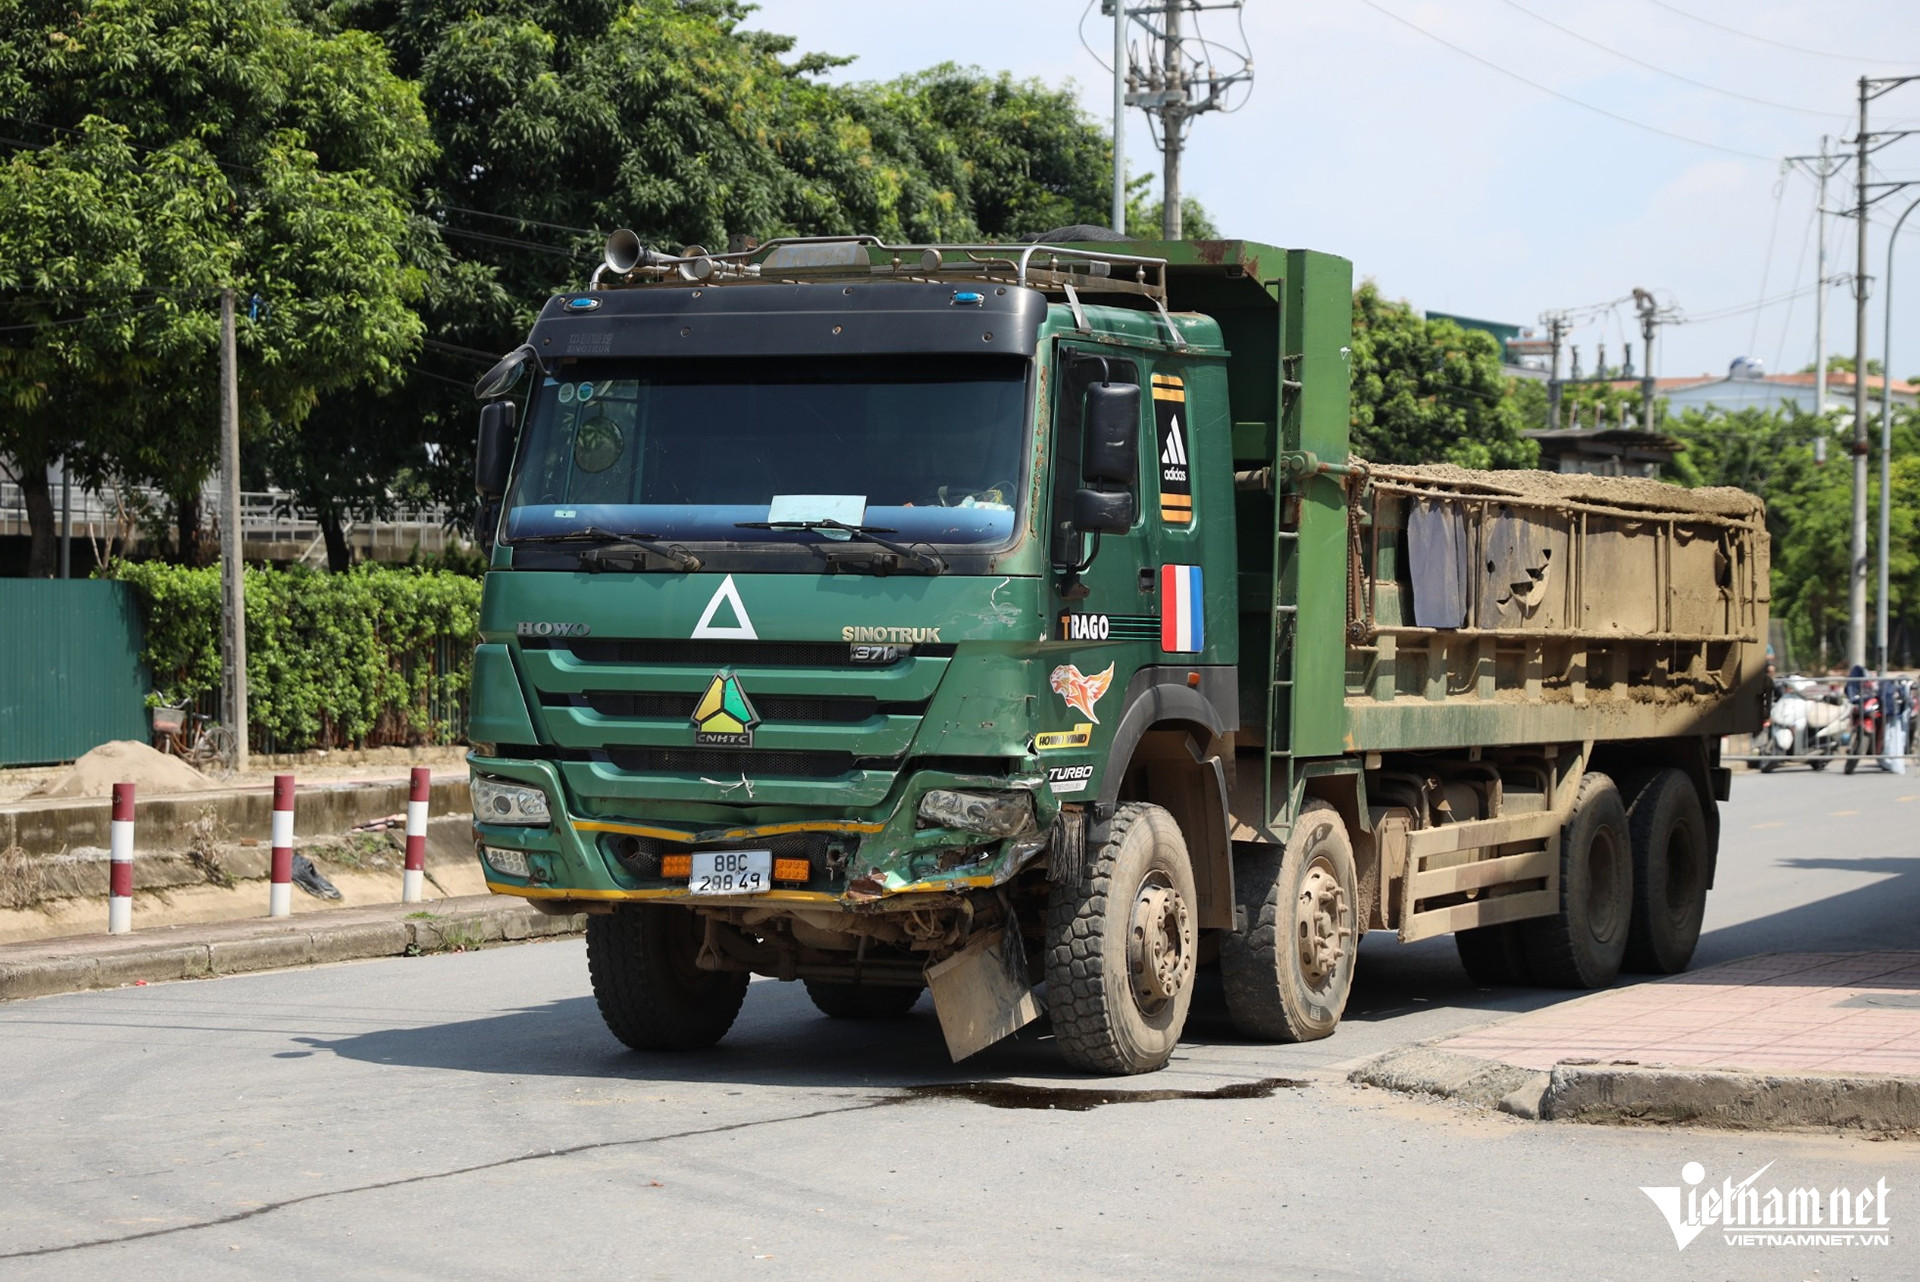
{"points": [[874, 858]]}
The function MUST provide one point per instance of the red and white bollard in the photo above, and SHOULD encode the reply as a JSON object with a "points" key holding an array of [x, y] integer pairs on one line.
{"points": [[410, 889], [120, 870], [280, 896]]}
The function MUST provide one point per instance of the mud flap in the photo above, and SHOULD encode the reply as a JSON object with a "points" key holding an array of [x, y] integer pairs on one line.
{"points": [[981, 993]]}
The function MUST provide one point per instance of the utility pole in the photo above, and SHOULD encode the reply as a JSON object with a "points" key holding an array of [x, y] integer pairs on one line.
{"points": [[1120, 116], [233, 601], [1865, 144], [66, 517], [1557, 326], [1173, 117], [1164, 86], [1886, 446], [1823, 167], [1652, 316]]}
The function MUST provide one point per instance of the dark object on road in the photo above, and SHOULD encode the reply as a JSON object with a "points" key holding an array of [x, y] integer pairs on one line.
{"points": [[312, 880]]}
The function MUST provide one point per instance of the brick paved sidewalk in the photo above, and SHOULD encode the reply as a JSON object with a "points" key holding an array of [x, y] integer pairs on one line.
{"points": [[1776, 1013]]}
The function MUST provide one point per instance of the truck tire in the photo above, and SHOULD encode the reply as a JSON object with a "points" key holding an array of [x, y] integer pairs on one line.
{"points": [[862, 1001], [1582, 945], [1495, 956], [1122, 945], [1287, 975], [1670, 863], [649, 992]]}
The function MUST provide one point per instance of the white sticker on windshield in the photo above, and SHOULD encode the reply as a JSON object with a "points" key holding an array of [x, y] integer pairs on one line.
{"points": [[586, 392], [797, 509], [563, 513]]}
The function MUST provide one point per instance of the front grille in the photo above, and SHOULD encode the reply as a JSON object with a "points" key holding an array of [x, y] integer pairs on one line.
{"points": [[726, 764], [710, 654], [771, 707]]}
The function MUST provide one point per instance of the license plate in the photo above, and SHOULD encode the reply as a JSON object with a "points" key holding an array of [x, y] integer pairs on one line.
{"points": [[731, 872]]}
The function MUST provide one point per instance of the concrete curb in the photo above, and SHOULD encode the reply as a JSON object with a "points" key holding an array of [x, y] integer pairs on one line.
{"points": [[1581, 1091], [42, 968]]}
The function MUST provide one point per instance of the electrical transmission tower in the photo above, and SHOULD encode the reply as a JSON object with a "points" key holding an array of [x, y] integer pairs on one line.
{"points": [[1175, 75]]}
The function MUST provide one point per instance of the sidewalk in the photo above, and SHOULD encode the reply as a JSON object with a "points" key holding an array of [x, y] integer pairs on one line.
{"points": [[42, 967], [1782, 1039]]}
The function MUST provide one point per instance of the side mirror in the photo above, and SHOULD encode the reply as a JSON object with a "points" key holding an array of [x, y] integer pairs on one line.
{"points": [[493, 451], [1112, 453], [504, 374], [1102, 512]]}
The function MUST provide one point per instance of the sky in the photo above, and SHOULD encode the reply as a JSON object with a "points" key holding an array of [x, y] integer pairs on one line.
{"points": [[1404, 135]]}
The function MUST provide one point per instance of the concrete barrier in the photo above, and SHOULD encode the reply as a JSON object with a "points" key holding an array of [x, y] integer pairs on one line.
{"points": [[43, 826]]}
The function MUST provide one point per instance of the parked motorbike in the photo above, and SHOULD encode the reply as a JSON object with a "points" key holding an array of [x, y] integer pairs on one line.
{"points": [[1805, 725], [1867, 730]]}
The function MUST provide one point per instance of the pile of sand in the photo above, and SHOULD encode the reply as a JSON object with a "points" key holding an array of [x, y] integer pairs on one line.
{"points": [[1608, 491], [125, 761]]}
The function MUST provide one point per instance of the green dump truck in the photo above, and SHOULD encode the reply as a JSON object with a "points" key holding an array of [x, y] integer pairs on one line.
{"points": [[1012, 622]]}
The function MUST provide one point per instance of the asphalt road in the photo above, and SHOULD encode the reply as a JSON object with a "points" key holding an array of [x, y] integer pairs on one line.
{"points": [[468, 1116]]}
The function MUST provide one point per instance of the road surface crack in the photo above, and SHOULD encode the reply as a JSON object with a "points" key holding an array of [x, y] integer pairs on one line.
{"points": [[267, 1208]]}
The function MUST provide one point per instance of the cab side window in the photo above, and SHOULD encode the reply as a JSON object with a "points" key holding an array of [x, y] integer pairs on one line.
{"points": [[1080, 370]]}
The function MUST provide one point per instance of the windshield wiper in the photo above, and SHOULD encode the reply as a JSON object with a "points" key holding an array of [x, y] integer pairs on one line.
{"points": [[596, 558], [868, 533]]}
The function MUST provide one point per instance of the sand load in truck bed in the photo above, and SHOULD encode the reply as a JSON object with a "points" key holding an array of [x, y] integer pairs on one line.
{"points": [[1637, 492], [1626, 603]]}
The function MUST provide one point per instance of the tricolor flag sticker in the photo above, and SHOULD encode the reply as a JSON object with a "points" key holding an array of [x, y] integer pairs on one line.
{"points": [[1183, 613]]}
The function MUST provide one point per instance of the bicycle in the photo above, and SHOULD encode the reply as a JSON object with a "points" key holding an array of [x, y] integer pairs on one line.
{"points": [[194, 737]]}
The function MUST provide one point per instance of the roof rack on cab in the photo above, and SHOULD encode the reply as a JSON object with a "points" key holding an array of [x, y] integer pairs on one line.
{"points": [[1051, 269]]}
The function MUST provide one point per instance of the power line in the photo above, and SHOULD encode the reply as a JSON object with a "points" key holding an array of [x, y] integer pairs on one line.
{"points": [[1735, 31], [505, 218], [1766, 260], [1671, 75], [78, 320], [488, 238], [1813, 215], [1564, 97]]}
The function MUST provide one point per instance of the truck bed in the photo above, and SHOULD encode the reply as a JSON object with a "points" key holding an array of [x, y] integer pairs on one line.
{"points": [[1526, 607]]}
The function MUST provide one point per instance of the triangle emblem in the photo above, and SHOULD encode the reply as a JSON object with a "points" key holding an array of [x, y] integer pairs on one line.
{"points": [[739, 630], [1175, 454]]}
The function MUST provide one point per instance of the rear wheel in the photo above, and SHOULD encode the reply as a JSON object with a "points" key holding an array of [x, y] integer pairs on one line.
{"points": [[1671, 858], [1581, 945], [862, 1001], [1121, 947], [1288, 974], [649, 991]]}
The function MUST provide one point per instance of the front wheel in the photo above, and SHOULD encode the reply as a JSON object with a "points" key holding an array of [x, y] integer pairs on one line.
{"points": [[1288, 974], [649, 991], [1121, 947]]}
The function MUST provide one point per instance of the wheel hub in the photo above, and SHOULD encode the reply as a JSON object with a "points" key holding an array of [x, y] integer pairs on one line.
{"points": [[1321, 929], [1159, 945]]}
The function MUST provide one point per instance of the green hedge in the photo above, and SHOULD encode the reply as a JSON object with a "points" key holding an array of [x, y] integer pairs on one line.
{"points": [[379, 655]]}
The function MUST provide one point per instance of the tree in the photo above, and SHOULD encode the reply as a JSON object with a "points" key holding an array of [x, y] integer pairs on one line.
{"points": [[223, 143], [1429, 391], [1809, 513], [558, 121]]}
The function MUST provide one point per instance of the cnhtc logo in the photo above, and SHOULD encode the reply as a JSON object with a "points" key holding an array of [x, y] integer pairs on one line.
{"points": [[1840, 1217]]}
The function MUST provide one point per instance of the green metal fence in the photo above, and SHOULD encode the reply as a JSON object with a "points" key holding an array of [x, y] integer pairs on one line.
{"points": [[70, 674]]}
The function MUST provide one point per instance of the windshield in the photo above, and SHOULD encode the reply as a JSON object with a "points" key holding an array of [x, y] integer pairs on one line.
{"points": [[931, 447]]}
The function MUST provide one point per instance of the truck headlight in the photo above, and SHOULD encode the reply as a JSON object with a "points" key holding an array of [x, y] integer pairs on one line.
{"points": [[495, 801], [991, 814]]}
